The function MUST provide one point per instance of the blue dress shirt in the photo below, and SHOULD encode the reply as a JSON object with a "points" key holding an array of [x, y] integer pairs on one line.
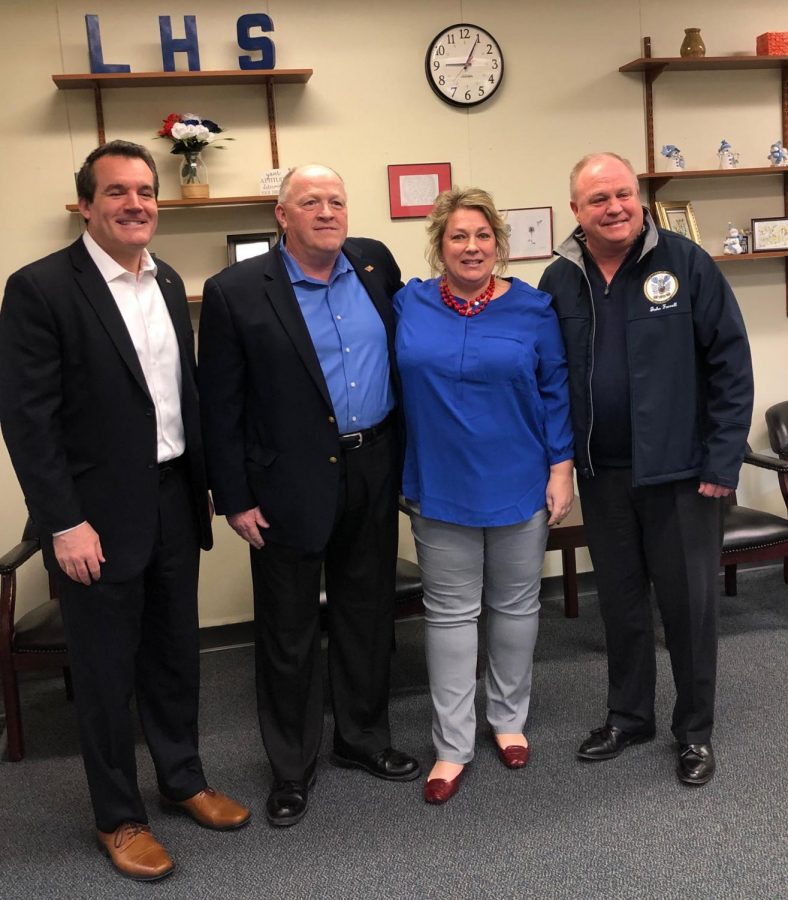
{"points": [[350, 341]]}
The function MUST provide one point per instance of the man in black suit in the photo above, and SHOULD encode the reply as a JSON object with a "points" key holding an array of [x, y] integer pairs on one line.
{"points": [[98, 403], [296, 366]]}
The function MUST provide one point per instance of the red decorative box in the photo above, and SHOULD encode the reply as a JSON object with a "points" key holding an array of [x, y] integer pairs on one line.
{"points": [[772, 43]]}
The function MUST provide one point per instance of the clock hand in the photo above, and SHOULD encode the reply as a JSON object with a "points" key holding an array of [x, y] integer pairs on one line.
{"points": [[470, 55]]}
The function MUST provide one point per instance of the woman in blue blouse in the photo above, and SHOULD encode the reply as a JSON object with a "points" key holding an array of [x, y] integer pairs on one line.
{"points": [[488, 466]]}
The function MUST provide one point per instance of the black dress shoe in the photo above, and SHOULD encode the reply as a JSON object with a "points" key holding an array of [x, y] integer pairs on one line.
{"points": [[696, 763], [608, 741], [389, 764], [286, 804]]}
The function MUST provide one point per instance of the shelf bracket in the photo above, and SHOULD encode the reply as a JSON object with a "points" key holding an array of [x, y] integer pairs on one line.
{"points": [[269, 95], [102, 137]]}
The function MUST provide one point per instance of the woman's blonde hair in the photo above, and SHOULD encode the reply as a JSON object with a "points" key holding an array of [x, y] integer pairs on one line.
{"points": [[450, 201]]}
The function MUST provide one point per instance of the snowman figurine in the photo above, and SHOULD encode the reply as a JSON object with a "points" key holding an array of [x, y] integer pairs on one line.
{"points": [[673, 155], [728, 159], [778, 155], [732, 244]]}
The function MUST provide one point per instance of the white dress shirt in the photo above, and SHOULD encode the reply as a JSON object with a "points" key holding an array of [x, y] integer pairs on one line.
{"points": [[147, 319]]}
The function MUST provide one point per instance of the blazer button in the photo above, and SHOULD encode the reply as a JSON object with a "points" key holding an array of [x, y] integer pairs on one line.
{"points": [[332, 459], [331, 419]]}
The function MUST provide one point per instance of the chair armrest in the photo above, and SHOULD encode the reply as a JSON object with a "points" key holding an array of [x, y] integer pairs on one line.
{"points": [[20, 554]]}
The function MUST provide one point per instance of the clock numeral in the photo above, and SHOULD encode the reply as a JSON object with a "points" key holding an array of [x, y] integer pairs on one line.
{"points": [[491, 79], [441, 80], [450, 39], [495, 64], [465, 33], [467, 95], [436, 65], [454, 90], [440, 50], [481, 91], [488, 51]]}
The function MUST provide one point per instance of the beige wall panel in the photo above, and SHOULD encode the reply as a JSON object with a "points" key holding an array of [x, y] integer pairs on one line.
{"points": [[368, 106]]}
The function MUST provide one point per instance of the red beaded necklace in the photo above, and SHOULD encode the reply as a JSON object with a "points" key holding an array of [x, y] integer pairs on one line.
{"points": [[467, 307]]}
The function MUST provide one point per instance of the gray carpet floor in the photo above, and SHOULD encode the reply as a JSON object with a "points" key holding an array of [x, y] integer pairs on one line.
{"points": [[558, 829]]}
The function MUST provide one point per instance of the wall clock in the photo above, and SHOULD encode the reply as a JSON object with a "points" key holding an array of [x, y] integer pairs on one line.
{"points": [[464, 65]]}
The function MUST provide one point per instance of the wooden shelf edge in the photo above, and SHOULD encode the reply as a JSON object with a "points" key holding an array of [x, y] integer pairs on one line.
{"points": [[699, 63], [741, 257], [713, 173], [207, 201], [162, 79]]}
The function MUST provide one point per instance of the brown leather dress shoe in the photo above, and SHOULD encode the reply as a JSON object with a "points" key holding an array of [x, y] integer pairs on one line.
{"points": [[135, 852], [514, 756], [439, 790], [212, 809]]}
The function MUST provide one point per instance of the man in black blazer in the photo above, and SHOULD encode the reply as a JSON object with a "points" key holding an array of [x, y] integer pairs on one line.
{"points": [[98, 404], [298, 384]]}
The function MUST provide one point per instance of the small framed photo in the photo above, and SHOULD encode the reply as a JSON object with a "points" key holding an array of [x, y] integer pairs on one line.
{"points": [[769, 234], [245, 246], [413, 188], [530, 232], [677, 216]]}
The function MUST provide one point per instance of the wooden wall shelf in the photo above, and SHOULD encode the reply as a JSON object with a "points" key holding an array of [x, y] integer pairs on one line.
{"points": [[651, 67], [96, 81], [659, 64], [204, 202], [741, 257], [179, 79], [713, 173]]}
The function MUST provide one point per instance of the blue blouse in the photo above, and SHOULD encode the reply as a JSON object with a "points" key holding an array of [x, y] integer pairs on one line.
{"points": [[486, 404]]}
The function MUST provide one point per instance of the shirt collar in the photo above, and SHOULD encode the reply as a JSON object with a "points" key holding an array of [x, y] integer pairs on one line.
{"points": [[296, 273], [110, 268]]}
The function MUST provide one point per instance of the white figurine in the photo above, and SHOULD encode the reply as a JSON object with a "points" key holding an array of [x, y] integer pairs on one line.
{"points": [[673, 154], [728, 159], [778, 155], [732, 244]]}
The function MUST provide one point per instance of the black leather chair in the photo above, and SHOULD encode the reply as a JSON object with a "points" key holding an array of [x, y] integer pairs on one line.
{"points": [[36, 641], [752, 535]]}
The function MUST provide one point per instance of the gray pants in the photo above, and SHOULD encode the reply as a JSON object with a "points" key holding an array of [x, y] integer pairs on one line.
{"points": [[458, 562]]}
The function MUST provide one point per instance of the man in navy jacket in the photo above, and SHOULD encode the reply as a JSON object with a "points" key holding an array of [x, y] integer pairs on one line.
{"points": [[661, 392]]}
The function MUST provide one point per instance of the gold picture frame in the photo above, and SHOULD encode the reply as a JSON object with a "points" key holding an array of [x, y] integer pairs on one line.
{"points": [[678, 216]]}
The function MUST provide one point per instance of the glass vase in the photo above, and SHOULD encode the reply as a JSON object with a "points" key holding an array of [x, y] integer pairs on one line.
{"points": [[193, 176]]}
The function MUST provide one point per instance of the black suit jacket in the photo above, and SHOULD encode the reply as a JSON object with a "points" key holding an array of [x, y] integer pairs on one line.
{"points": [[268, 425], [76, 413]]}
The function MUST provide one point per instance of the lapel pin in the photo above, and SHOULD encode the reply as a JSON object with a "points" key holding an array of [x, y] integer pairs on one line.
{"points": [[168, 281], [369, 268]]}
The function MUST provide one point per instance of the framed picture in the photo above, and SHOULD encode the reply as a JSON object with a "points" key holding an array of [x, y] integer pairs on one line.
{"points": [[530, 232], [413, 188], [769, 234], [677, 216], [245, 246]]}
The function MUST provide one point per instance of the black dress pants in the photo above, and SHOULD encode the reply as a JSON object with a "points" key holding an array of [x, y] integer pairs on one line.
{"points": [[670, 536], [360, 566], [140, 636]]}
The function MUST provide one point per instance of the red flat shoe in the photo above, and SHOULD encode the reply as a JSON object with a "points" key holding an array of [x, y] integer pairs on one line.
{"points": [[439, 790], [514, 756]]}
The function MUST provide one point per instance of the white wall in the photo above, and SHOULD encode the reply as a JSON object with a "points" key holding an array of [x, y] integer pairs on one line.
{"points": [[367, 106]]}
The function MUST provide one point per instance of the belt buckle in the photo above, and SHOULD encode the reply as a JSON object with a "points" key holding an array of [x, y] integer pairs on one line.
{"points": [[358, 435]]}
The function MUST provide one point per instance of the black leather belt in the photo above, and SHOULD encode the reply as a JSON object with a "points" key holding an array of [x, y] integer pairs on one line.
{"points": [[169, 466], [356, 439]]}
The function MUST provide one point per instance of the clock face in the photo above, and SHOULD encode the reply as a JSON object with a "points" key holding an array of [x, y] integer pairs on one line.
{"points": [[464, 65]]}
